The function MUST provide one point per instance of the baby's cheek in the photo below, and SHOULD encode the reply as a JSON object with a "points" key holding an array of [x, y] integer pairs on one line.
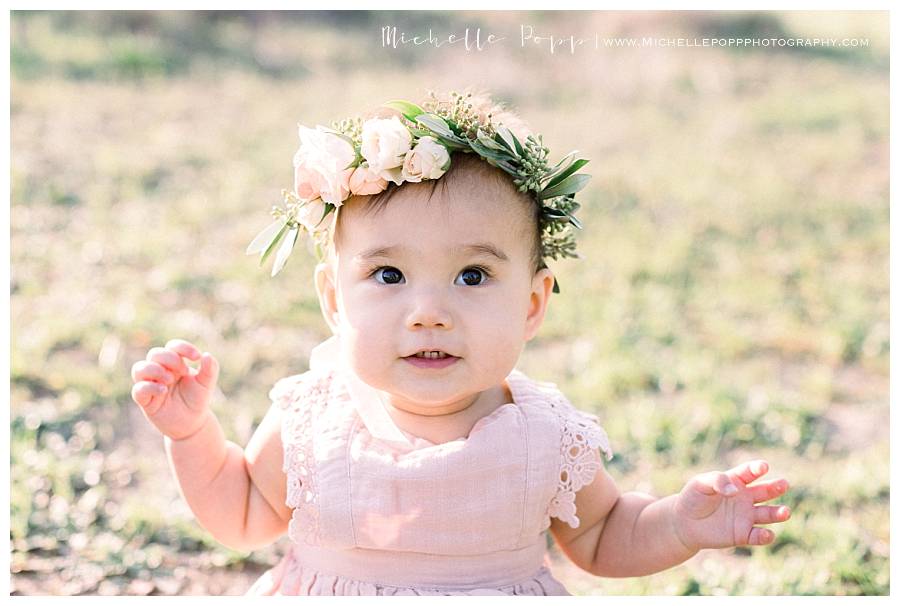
{"points": [[502, 347]]}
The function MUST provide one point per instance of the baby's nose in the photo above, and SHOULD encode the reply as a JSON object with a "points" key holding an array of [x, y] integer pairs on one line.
{"points": [[429, 310]]}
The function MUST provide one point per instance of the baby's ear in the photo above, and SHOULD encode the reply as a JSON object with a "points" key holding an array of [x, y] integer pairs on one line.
{"points": [[541, 287], [326, 289]]}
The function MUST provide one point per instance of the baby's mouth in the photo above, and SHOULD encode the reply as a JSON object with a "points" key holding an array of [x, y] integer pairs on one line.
{"points": [[431, 355], [433, 359]]}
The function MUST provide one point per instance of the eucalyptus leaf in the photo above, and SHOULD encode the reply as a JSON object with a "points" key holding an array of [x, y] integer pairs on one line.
{"points": [[486, 153], [572, 169], [509, 168], [329, 207], [491, 144], [409, 110], [436, 124], [554, 214], [507, 138], [273, 243], [263, 238], [450, 144], [569, 185], [562, 164], [284, 251], [519, 149], [575, 222]]}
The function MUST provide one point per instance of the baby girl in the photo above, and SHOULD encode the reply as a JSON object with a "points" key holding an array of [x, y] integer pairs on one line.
{"points": [[413, 457]]}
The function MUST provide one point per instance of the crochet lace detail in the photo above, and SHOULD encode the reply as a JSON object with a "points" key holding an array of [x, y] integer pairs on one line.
{"points": [[580, 437], [304, 396]]}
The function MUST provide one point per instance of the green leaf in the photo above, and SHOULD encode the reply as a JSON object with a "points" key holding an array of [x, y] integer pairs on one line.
{"points": [[554, 214], [493, 145], [561, 165], [565, 161], [437, 125], [569, 185], [450, 145], [489, 142], [571, 170], [273, 243], [519, 149], [409, 110], [284, 251], [509, 140], [263, 238], [484, 152], [509, 168], [329, 207]]}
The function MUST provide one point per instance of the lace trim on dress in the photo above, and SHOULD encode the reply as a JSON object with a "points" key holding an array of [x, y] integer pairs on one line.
{"points": [[580, 437], [306, 396]]}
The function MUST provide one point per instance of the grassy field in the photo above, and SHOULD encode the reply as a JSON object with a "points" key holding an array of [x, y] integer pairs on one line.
{"points": [[732, 300]]}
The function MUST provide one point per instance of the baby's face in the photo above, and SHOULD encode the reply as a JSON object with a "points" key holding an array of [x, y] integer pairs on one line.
{"points": [[449, 275]]}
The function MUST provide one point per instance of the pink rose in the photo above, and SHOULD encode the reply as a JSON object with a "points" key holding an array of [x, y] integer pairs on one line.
{"points": [[427, 160], [310, 215], [365, 182]]}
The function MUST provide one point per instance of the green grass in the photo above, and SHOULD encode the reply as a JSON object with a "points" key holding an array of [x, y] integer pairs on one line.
{"points": [[732, 301]]}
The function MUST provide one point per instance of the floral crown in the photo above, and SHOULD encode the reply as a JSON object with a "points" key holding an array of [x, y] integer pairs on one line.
{"points": [[360, 158]]}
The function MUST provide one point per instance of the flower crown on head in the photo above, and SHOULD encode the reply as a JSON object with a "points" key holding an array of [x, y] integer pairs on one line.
{"points": [[360, 158]]}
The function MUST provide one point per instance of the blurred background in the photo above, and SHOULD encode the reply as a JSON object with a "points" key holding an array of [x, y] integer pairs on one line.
{"points": [[732, 301]]}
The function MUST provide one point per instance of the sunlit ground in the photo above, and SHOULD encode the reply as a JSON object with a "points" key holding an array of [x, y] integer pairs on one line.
{"points": [[732, 300]]}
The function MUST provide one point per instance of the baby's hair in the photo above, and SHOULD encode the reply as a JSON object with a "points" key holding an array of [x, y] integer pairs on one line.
{"points": [[470, 166]]}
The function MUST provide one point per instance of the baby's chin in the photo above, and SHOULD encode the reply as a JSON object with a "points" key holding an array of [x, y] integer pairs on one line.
{"points": [[430, 395]]}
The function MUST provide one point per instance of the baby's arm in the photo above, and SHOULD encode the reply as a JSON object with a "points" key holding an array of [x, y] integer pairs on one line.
{"points": [[635, 534], [236, 494]]}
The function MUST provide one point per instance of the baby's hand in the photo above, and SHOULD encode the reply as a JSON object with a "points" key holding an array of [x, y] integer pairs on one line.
{"points": [[173, 396], [716, 509]]}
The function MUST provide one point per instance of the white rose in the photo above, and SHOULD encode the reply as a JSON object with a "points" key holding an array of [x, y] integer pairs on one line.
{"points": [[320, 166], [427, 160], [385, 142]]}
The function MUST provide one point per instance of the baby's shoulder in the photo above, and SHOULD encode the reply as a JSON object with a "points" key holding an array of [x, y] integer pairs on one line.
{"points": [[546, 400], [302, 389]]}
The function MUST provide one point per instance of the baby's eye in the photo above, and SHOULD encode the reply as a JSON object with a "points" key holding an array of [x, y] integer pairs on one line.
{"points": [[388, 275], [473, 276]]}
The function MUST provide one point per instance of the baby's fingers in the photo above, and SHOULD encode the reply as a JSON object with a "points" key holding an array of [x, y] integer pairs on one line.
{"points": [[768, 490], [148, 395], [760, 536], [713, 482], [770, 514], [151, 371], [184, 348], [749, 471], [169, 360]]}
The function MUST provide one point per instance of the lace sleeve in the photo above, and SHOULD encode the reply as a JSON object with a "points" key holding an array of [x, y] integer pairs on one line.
{"points": [[302, 397], [286, 390], [580, 438]]}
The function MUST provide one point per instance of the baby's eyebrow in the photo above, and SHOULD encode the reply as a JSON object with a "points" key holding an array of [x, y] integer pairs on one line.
{"points": [[480, 248]]}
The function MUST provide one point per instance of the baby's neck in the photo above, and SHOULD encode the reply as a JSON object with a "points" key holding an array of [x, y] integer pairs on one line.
{"points": [[442, 428]]}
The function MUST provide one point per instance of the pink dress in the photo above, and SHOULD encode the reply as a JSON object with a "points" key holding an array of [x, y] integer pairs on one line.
{"points": [[379, 511]]}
